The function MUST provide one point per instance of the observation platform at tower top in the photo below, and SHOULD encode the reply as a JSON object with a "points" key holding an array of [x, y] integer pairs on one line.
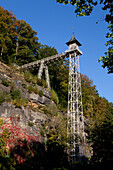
{"points": [[51, 58]]}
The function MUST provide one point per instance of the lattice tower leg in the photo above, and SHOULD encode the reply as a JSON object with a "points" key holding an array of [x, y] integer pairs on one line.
{"points": [[47, 76], [41, 70], [75, 118]]}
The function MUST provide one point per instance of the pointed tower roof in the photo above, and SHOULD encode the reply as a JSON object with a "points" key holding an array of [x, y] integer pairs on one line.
{"points": [[73, 40]]}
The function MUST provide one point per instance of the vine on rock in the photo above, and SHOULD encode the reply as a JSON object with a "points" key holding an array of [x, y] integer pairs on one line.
{"points": [[12, 136]]}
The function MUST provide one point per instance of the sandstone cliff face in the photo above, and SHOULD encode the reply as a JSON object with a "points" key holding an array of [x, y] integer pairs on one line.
{"points": [[31, 116]]}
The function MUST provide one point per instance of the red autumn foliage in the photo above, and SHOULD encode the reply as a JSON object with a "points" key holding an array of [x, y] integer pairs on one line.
{"points": [[19, 139]]}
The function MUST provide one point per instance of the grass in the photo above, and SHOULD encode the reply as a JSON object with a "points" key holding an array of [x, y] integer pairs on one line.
{"points": [[32, 89], [5, 82], [15, 94]]}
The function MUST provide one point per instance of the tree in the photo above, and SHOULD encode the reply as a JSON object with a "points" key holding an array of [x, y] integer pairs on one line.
{"points": [[102, 138], [59, 73], [8, 22], [18, 41], [56, 144], [46, 51], [85, 8], [26, 44]]}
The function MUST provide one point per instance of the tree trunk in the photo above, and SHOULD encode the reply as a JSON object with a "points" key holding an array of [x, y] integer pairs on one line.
{"points": [[16, 50], [2, 51]]}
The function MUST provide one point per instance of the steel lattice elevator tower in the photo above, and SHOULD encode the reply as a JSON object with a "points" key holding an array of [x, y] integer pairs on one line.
{"points": [[75, 118]]}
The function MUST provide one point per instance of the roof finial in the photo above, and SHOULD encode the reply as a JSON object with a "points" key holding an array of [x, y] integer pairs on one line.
{"points": [[73, 37], [73, 40]]}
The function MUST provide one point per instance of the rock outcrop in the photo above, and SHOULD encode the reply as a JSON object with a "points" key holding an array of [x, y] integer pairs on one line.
{"points": [[31, 117]]}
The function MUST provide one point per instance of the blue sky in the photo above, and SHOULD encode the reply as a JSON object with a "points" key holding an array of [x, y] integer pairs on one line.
{"points": [[54, 24]]}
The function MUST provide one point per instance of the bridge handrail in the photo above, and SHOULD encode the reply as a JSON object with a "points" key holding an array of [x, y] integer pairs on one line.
{"points": [[48, 59]]}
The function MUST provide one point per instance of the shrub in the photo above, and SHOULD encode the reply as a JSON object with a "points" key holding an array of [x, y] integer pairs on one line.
{"points": [[4, 96], [24, 102], [42, 82], [34, 79], [35, 90], [30, 124], [28, 76], [8, 97], [20, 102], [53, 109], [17, 103], [2, 99], [5, 82], [46, 111], [24, 85], [39, 82], [15, 94], [40, 93], [54, 96], [12, 86], [30, 89]]}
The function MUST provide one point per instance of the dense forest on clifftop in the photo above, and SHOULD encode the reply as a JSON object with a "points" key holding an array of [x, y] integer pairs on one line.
{"points": [[19, 44]]}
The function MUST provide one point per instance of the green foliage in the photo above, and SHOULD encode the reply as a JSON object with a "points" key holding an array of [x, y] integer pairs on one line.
{"points": [[35, 90], [5, 82], [82, 7], [19, 102], [101, 136], [59, 80], [53, 109], [30, 124], [4, 96], [24, 85], [27, 46], [8, 23], [1, 99], [4, 135], [46, 111], [46, 51], [40, 107], [15, 94], [12, 86], [28, 76], [57, 142], [54, 96], [107, 60], [40, 93], [41, 82], [18, 41], [32, 89]]}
